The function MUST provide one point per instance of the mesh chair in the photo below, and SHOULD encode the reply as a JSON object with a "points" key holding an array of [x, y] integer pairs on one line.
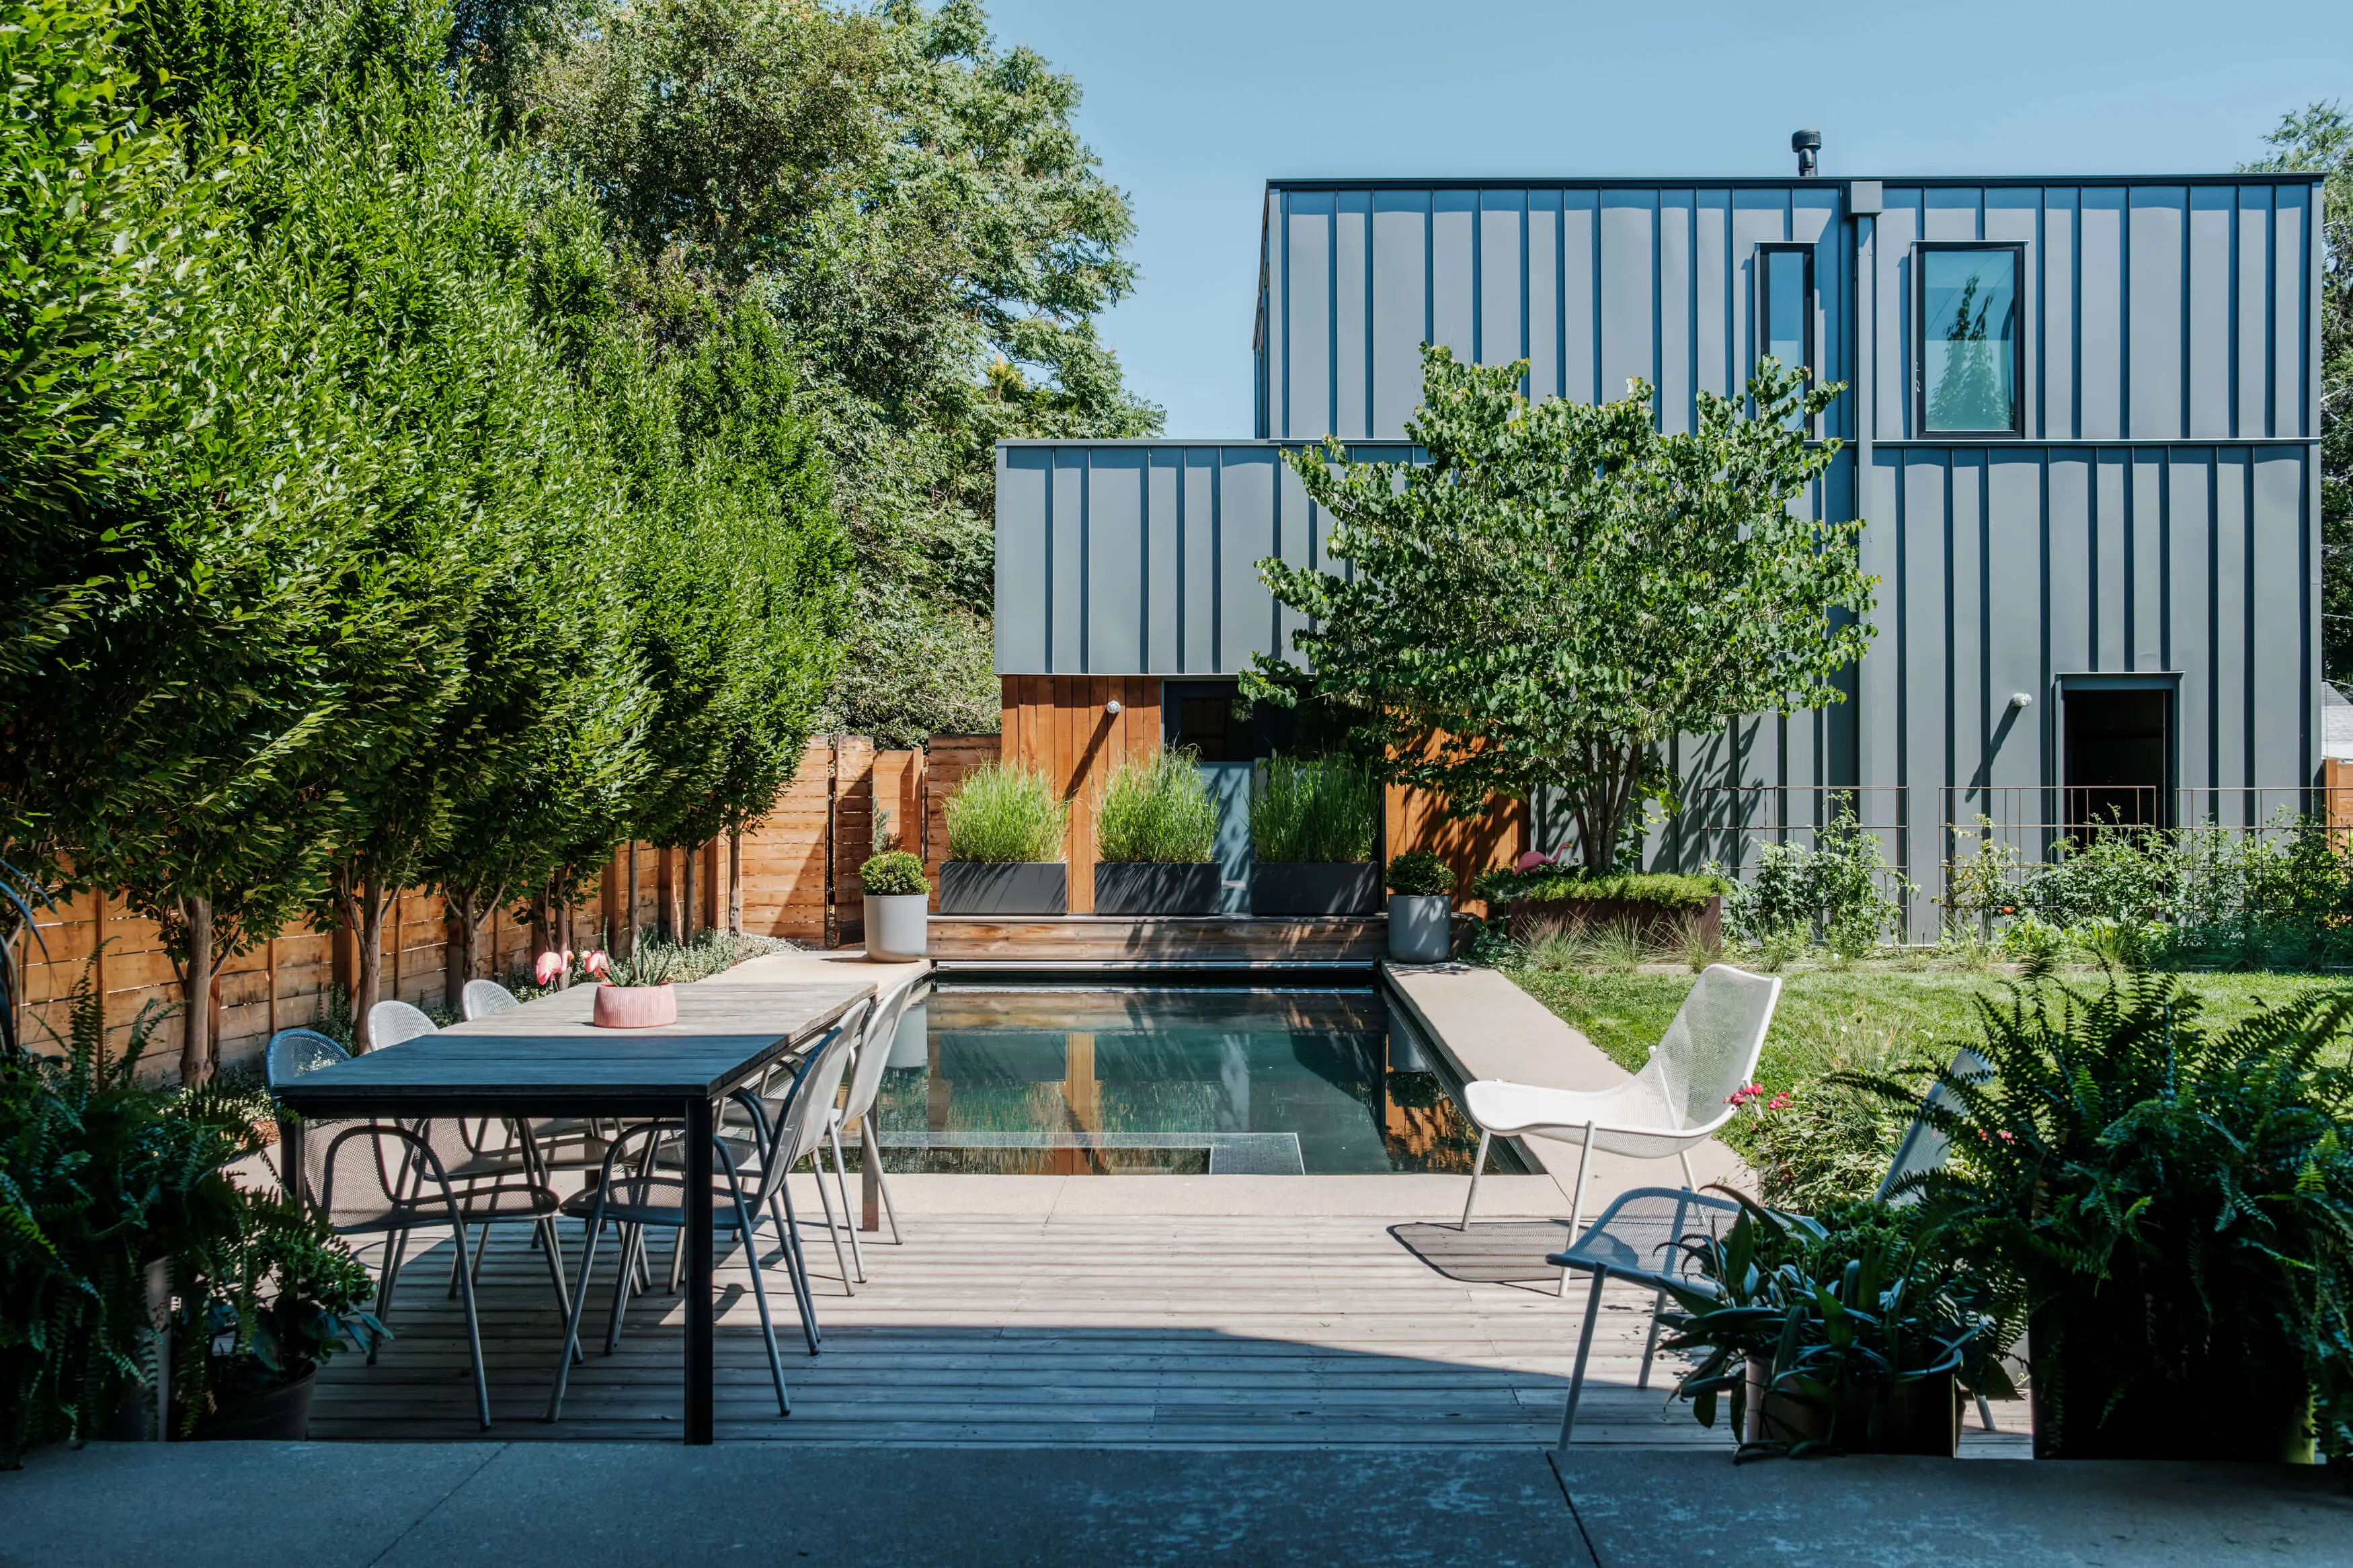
{"points": [[1637, 1238], [389, 1023], [293, 1052], [1925, 1146], [482, 998], [865, 1084], [651, 1195], [1679, 1098]]}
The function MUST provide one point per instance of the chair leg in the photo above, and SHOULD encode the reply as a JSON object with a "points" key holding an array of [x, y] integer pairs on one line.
{"points": [[883, 1180], [551, 1248], [1690, 1180], [1478, 1169], [633, 1238], [801, 1303], [1576, 1200], [1584, 1349], [1985, 1413], [760, 1299], [397, 1250], [832, 1232], [1650, 1345], [848, 1214], [473, 1328], [799, 1262], [579, 1299]]}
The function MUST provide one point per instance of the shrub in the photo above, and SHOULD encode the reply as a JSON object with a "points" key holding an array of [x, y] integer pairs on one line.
{"points": [[1158, 810], [1548, 884], [1420, 873], [1318, 810], [1839, 891], [1006, 812], [894, 873]]}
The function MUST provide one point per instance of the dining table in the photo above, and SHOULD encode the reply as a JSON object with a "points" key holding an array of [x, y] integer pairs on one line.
{"points": [[547, 1058]]}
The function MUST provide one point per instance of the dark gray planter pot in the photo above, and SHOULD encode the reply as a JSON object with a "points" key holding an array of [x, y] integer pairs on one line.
{"points": [[1005, 887], [1306, 888], [1155, 887], [1421, 927]]}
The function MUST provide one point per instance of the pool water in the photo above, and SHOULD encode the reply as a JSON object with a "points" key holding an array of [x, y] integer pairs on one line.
{"points": [[1063, 1082]]}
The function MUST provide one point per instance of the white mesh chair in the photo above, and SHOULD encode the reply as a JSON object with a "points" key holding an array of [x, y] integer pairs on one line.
{"points": [[390, 1023], [1679, 1098], [865, 1084], [483, 998]]}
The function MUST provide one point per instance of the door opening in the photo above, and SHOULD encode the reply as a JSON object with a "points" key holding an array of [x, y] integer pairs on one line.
{"points": [[2118, 750]]}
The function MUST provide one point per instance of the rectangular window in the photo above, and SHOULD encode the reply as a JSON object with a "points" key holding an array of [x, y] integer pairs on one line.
{"points": [[1785, 307], [1971, 338]]}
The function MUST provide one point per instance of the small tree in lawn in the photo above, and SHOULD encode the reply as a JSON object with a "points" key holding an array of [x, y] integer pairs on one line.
{"points": [[1561, 589]]}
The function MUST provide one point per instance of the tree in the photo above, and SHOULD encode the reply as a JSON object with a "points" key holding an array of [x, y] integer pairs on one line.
{"points": [[2319, 140], [1561, 589]]}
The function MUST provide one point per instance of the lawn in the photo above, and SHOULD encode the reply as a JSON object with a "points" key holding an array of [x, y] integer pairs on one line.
{"points": [[1869, 1015]]}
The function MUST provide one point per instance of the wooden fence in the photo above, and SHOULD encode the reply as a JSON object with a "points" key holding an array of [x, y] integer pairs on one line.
{"points": [[798, 878]]}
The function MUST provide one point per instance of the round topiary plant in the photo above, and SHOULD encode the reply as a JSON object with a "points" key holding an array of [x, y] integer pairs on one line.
{"points": [[895, 874], [1421, 873]]}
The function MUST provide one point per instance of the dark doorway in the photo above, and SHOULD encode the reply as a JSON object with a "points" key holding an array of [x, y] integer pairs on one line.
{"points": [[2119, 753], [1208, 716]]}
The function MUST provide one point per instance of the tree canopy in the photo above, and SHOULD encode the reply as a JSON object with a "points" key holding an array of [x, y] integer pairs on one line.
{"points": [[1561, 589]]}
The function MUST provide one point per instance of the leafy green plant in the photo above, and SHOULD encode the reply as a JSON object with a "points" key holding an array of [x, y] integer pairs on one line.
{"points": [[1419, 873], [1316, 810], [1841, 1313], [1839, 891], [894, 873], [285, 1296], [1552, 884], [1157, 809], [653, 963], [2168, 1206], [1981, 882], [1006, 812]]}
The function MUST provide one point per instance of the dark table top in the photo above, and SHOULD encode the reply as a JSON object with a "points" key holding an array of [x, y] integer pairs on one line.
{"points": [[545, 1056]]}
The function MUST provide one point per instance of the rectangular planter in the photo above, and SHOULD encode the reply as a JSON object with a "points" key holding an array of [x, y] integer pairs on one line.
{"points": [[1156, 888], [1662, 924], [1005, 887], [1305, 888]]}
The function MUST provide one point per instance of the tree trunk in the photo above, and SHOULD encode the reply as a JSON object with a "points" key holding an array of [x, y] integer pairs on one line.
{"points": [[686, 926], [465, 936], [368, 984], [197, 1050], [736, 883], [625, 941], [538, 930]]}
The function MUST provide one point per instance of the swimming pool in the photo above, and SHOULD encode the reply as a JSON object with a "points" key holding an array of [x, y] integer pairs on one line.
{"points": [[1192, 1081]]}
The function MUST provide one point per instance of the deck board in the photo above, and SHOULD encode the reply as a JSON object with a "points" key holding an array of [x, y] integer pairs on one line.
{"points": [[1079, 1330]]}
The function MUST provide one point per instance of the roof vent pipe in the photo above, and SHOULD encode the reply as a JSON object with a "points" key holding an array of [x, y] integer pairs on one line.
{"points": [[1805, 144]]}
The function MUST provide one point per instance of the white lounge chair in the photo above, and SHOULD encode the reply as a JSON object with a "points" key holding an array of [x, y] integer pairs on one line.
{"points": [[1680, 1098]]}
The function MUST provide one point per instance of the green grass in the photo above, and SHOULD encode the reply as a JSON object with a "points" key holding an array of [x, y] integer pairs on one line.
{"points": [[1864, 1015]]}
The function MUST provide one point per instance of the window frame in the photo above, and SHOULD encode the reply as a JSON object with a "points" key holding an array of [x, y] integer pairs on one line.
{"points": [[1763, 309], [1921, 249]]}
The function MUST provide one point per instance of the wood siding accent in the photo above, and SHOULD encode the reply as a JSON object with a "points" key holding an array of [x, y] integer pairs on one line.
{"points": [[1059, 724]]}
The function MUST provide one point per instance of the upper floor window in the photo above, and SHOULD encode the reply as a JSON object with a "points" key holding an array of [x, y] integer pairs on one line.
{"points": [[1785, 303], [1971, 338]]}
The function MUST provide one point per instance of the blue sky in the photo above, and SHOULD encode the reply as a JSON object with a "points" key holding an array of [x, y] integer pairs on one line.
{"points": [[1193, 106]]}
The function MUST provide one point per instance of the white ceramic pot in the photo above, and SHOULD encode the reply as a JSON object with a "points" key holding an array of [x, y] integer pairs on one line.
{"points": [[897, 927], [1421, 927]]}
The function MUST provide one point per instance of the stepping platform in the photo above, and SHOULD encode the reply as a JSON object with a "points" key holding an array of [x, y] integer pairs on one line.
{"points": [[1052, 944]]}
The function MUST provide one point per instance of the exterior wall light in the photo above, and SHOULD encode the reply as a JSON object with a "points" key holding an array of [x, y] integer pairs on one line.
{"points": [[1111, 706], [2021, 700]]}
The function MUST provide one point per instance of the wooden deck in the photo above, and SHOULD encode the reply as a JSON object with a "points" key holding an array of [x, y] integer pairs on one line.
{"points": [[1085, 1329], [1194, 942]]}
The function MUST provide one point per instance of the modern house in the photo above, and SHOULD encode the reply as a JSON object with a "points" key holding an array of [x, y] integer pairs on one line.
{"points": [[2081, 423]]}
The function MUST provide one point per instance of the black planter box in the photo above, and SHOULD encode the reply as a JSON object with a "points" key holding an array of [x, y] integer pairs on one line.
{"points": [[1156, 888], [1005, 887], [1307, 888]]}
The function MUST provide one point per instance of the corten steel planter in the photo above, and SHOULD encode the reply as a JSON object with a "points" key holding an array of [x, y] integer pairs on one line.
{"points": [[1922, 1418], [1156, 888], [1314, 888], [897, 928], [634, 1006], [1421, 927], [1658, 923], [1005, 887], [280, 1414]]}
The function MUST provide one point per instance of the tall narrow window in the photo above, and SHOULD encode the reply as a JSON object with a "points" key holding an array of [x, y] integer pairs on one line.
{"points": [[1971, 339], [1786, 305]]}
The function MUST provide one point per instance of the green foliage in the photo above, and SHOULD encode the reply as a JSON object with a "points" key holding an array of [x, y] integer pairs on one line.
{"points": [[1314, 809], [1420, 873], [2170, 1204], [653, 963], [1006, 812], [894, 873], [1560, 590], [98, 1177], [286, 1298], [1839, 891], [1548, 884], [1157, 809], [1843, 1309]]}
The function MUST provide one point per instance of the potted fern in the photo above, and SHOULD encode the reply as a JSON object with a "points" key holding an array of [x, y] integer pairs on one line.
{"points": [[1006, 829], [898, 896], [1421, 915], [1311, 828], [1156, 838], [636, 992]]}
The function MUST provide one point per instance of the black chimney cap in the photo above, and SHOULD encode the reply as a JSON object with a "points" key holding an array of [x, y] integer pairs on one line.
{"points": [[1806, 141]]}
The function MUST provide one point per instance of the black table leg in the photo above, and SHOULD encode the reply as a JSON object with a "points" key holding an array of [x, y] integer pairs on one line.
{"points": [[290, 1156], [698, 1272]]}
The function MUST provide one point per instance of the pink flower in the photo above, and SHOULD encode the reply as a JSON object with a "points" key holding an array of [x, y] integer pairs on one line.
{"points": [[1779, 1103], [1744, 1094], [596, 964], [547, 967]]}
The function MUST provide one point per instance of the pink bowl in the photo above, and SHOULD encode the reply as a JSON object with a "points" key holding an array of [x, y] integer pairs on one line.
{"points": [[634, 1007]]}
